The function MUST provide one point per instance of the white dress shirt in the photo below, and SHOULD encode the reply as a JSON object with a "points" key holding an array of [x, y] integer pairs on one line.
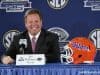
{"points": [[36, 36]]}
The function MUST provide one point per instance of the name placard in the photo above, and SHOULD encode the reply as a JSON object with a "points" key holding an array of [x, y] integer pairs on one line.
{"points": [[30, 59]]}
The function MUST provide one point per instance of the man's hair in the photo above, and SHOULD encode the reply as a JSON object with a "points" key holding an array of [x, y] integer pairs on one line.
{"points": [[33, 11]]}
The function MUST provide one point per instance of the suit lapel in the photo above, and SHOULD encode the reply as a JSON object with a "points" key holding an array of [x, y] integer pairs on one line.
{"points": [[40, 41], [38, 44], [29, 47]]}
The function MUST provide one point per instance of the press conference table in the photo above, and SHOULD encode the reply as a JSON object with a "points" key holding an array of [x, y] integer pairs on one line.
{"points": [[51, 69]]}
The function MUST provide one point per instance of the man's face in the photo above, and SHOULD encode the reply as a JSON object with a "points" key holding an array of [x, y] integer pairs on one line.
{"points": [[33, 23]]}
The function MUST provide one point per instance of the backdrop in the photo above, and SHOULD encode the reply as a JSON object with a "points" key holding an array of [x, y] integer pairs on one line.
{"points": [[68, 18]]}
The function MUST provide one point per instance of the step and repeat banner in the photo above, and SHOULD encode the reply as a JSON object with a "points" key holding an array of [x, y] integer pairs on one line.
{"points": [[67, 18]]}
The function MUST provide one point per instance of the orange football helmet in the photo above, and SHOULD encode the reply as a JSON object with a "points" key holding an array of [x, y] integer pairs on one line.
{"points": [[79, 50]]}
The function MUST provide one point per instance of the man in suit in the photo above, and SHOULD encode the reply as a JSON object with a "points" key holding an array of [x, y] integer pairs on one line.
{"points": [[45, 41]]}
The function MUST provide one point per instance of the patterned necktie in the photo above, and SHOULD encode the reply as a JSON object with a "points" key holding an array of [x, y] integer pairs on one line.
{"points": [[33, 44]]}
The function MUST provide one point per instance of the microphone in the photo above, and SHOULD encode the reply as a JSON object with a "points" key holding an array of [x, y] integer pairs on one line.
{"points": [[23, 45], [21, 49]]}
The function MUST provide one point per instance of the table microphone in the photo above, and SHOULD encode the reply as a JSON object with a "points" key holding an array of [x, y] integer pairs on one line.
{"points": [[23, 45], [22, 48]]}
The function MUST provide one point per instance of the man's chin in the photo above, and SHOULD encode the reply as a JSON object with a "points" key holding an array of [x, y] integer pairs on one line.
{"points": [[34, 33]]}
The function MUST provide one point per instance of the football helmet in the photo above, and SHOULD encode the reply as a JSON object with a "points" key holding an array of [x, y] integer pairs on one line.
{"points": [[79, 50]]}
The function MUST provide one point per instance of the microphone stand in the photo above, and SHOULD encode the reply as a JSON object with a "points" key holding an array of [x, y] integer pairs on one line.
{"points": [[22, 49]]}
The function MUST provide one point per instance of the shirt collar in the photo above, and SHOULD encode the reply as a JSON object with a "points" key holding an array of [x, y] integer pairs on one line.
{"points": [[36, 36]]}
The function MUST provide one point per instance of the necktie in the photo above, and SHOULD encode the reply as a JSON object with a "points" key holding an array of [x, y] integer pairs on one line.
{"points": [[33, 44]]}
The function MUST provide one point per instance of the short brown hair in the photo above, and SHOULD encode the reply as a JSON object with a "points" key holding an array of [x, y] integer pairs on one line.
{"points": [[33, 11]]}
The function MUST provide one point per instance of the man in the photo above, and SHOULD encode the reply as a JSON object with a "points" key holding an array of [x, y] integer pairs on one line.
{"points": [[45, 41]]}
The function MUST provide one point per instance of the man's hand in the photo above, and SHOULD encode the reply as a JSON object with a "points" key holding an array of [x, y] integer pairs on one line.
{"points": [[7, 60]]}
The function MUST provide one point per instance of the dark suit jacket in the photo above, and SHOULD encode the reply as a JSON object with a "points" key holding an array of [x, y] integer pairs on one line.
{"points": [[47, 44]]}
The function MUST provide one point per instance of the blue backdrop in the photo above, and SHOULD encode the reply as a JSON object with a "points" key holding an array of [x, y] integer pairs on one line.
{"points": [[76, 17]]}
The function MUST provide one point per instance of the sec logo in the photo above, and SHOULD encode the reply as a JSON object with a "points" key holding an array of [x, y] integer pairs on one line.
{"points": [[8, 37], [95, 37], [57, 4], [63, 34]]}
